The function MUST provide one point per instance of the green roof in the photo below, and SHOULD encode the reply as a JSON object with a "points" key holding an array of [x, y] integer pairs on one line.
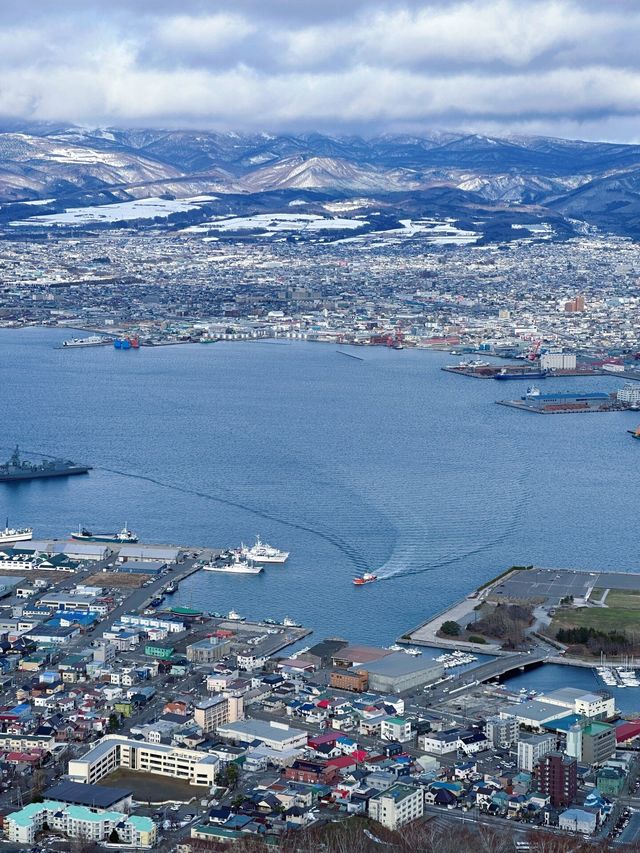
{"points": [[217, 831], [186, 611], [26, 815], [596, 728]]}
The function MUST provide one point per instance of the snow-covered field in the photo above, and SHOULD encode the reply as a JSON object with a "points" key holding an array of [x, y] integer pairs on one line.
{"points": [[274, 223], [146, 208]]}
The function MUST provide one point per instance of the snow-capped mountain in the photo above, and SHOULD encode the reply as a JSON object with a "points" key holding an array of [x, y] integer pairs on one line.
{"points": [[78, 166]]}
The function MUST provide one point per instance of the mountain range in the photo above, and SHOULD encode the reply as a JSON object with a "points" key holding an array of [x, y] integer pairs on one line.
{"points": [[578, 184]]}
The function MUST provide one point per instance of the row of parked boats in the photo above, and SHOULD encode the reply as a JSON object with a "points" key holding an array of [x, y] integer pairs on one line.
{"points": [[618, 676], [456, 658]]}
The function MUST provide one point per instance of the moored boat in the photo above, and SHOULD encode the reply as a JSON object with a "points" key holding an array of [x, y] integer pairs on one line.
{"points": [[236, 566], [91, 341], [125, 536], [263, 553], [15, 534]]}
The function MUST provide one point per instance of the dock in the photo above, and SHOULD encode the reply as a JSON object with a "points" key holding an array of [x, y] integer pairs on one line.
{"points": [[566, 404]]}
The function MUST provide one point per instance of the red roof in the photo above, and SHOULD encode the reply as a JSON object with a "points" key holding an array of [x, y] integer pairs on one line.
{"points": [[318, 740], [324, 703], [627, 731], [341, 761], [23, 757], [359, 755]]}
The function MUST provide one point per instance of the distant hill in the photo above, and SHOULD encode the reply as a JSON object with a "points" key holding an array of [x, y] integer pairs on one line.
{"points": [[597, 184]]}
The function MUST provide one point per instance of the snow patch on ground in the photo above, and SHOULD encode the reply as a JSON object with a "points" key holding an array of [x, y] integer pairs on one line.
{"points": [[146, 208], [274, 223]]}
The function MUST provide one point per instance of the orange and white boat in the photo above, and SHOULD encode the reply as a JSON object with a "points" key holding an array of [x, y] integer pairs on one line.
{"points": [[367, 577]]}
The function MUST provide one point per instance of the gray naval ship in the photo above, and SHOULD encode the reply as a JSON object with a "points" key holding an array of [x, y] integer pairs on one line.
{"points": [[18, 469]]}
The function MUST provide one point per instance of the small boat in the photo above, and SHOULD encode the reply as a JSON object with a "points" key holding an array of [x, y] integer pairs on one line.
{"points": [[287, 622], [235, 617], [413, 652], [157, 601], [125, 536], [367, 577], [532, 391], [263, 553], [171, 588], [15, 534], [634, 432]]}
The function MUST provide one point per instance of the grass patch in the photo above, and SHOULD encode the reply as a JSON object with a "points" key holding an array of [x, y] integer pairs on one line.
{"points": [[622, 612]]}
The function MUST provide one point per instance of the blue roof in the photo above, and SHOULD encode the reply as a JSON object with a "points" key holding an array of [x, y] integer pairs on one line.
{"points": [[563, 724]]}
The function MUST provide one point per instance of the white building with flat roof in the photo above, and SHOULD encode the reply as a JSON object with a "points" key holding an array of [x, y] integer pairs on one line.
{"points": [[581, 702], [278, 736], [114, 751]]}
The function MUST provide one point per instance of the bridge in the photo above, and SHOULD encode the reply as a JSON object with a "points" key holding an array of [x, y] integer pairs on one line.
{"points": [[490, 670]]}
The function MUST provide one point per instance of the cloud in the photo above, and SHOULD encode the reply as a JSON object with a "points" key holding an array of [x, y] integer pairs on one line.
{"points": [[554, 65]]}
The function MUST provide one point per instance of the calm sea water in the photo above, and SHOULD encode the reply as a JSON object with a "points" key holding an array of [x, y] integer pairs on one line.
{"points": [[386, 464]]}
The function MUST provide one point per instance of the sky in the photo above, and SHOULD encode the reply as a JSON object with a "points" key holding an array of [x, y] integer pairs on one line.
{"points": [[568, 68]]}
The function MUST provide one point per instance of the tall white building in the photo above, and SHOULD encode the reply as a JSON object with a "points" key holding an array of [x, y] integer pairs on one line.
{"points": [[396, 806], [531, 750], [558, 361]]}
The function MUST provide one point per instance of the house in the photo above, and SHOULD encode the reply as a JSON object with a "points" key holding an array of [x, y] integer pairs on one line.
{"points": [[312, 772], [582, 820], [395, 729]]}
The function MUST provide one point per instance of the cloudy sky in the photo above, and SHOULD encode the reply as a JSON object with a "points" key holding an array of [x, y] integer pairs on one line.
{"points": [[558, 67]]}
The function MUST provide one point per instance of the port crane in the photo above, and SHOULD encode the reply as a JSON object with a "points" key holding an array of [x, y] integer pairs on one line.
{"points": [[534, 352]]}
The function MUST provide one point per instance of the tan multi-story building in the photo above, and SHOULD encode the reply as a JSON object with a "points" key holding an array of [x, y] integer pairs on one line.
{"points": [[218, 710], [349, 679]]}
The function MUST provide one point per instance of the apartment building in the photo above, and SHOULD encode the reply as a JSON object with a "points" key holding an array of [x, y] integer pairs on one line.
{"points": [[502, 731], [218, 710], [114, 751], [557, 777], [79, 822], [398, 805], [531, 749]]}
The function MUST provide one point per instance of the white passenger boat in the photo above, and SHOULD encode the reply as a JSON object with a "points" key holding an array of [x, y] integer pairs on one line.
{"points": [[15, 534], [263, 553]]}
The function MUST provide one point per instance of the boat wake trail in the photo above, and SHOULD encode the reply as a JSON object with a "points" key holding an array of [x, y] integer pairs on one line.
{"points": [[338, 542], [438, 536]]}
